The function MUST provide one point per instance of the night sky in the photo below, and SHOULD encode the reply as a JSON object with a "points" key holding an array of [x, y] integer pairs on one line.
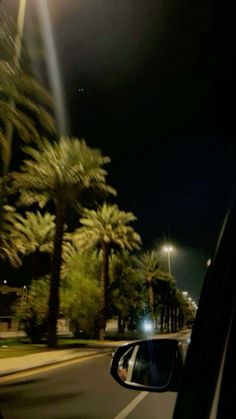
{"points": [[158, 97]]}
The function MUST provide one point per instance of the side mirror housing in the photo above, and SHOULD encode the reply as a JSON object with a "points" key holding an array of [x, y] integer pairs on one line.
{"points": [[149, 365]]}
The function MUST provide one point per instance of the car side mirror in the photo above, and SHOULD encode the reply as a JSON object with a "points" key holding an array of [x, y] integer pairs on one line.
{"points": [[150, 365]]}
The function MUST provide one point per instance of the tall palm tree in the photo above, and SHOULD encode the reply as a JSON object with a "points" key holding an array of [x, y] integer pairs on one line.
{"points": [[106, 228], [31, 103], [152, 268], [66, 173], [24, 102]]}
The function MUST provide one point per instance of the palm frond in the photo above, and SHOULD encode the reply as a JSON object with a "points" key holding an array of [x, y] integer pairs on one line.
{"points": [[107, 225], [9, 249], [62, 171], [152, 266], [34, 231]]}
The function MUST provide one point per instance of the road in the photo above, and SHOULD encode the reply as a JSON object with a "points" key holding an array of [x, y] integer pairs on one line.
{"points": [[80, 390]]}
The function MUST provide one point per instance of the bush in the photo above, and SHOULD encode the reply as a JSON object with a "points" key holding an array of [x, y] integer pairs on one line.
{"points": [[32, 313], [80, 294]]}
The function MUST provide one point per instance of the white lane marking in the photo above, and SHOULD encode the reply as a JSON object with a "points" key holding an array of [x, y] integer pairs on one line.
{"points": [[131, 406]]}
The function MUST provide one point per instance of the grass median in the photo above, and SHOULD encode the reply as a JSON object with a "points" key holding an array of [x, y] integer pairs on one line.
{"points": [[15, 347]]}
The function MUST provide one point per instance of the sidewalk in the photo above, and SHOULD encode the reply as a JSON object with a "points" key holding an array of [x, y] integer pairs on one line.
{"points": [[27, 362]]}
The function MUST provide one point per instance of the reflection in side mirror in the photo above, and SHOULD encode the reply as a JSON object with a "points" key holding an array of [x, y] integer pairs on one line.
{"points": [[153, 365]]}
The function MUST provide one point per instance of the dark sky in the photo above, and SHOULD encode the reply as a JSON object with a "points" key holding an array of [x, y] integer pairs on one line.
{"points": [[159, 99]]}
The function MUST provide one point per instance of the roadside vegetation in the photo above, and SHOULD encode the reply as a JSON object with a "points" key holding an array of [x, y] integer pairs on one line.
{"points": [[96, 267]]}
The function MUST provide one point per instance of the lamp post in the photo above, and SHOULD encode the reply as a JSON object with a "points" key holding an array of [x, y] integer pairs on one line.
{"points": [[168, 250], [19, 30]]}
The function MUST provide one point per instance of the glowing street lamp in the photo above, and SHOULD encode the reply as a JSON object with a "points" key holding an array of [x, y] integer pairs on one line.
{"points": [[168, 250]]}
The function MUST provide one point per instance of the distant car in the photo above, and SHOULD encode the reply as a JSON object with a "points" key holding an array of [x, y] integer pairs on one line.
{"points": [[206, 380]]}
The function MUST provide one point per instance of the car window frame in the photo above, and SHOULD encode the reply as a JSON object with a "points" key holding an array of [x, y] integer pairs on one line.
{"points": [[211, 328]]}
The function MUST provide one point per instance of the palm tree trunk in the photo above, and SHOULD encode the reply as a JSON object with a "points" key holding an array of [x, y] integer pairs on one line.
{"points": [[35, 264], [5, 157], [168, 316], [180, 319], [162, 319], [162, 313], [175, 319], [172, 320], [105, 290], [55, 276], [7, 149], [150, 298]]}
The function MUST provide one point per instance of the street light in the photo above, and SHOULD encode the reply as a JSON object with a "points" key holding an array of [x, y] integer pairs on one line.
{"points": [[168, 250]]}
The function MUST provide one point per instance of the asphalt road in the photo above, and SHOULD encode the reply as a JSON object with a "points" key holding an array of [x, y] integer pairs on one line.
{"points": [[80, 390]]}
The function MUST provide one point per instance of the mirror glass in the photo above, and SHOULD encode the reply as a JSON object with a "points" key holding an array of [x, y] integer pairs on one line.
{"points": [[148, 363]]}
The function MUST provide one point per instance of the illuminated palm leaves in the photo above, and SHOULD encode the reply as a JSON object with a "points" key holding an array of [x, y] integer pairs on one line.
{"points": [[152, 266], [10, 249], [28, 96], [7, 36], [60, 171], [65, 173], [22, 235], [34, 232], [107, 227], [24, 102]]}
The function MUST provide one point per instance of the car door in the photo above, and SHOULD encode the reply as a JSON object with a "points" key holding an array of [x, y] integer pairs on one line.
{"points": [[211, 347]]}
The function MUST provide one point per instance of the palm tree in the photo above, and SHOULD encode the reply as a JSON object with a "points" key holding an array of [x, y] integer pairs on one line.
{"points": [[23, 100], [178, 309], [164, 289], [66, 173], [106, 228], [127, 294], [33, 234], [153, 269], [30, 100]]}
